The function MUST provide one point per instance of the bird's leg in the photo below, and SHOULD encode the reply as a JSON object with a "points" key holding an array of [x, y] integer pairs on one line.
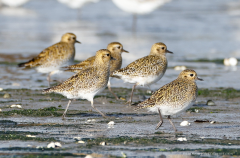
{"points": [[130, 100], [64, 114], [161, 120], [49, 77], [171, 123], [103, 115], [109, 88]]}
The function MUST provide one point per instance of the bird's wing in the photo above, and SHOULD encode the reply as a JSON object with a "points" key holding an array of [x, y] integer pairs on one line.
{"points": [[141, 67], [48, 55], [80, 66], [78, 80]]}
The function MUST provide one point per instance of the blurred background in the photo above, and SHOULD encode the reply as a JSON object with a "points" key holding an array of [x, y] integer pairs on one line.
{"points": [[200, 33]]}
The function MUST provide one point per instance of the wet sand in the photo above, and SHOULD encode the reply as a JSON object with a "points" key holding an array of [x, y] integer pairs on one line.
{"points": [[133, 133]]}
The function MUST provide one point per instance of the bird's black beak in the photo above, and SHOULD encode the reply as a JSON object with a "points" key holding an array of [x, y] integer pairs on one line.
{"points": [[77, 42], [123, 50], [112, 58], [167, 51], [199, 79]]}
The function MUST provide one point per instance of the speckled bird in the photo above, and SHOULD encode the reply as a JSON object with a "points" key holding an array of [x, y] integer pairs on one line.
{"points": [[174, 97], [116, 50], [51, 59], [146, 70], [86, 83]]}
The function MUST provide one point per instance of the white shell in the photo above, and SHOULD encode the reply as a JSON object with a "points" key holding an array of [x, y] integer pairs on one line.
{"points": [[111, 123], [57, 144], [185, 123], [54, 144], [103, 143], [30, 136], [182, 139], [180, 68], [16, 106], [51, 145], [81, 142], [230, 61], [212, 122]]}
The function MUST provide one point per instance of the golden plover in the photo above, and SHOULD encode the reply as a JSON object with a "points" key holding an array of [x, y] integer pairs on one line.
{"points": [[51, 59], [173, 97], [146, 70], [116, 50], [87, 83]]}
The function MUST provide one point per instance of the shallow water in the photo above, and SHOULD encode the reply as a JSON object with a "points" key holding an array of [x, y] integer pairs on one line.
{"points": [[192, 30]]}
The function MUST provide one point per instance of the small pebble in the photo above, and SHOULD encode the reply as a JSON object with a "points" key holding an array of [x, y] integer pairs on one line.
{"points": [[77, 138], [210, 103], [103, 143], [122, 98], [0, 110], [15, 84], [182, 139], [196, 110], [6, 96], [149, 91], [90, 121], [1, 89], [185, 123]]}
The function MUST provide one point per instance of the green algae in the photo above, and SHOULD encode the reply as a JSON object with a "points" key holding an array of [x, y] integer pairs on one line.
{"points": [[205, 60], [226, 93], [20, 135], [50, 111]]}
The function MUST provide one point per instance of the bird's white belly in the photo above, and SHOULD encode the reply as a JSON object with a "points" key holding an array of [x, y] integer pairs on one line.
{"points": [[146, 80], [170, 110], [88, 94], [47, 69]]}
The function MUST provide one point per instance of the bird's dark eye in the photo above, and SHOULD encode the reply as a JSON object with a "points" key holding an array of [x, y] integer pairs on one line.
{"points": [[162, 48], [119, 47], [74, 38], [107, 54], [191, 75]]}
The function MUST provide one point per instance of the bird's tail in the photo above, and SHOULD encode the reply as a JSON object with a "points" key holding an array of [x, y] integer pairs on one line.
{"points": [[47, 90], [22, 64], [145, 104]]}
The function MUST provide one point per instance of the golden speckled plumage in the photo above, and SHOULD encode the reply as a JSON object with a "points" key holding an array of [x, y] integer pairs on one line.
{"points": [[175, 96], [55, 56], [146, 70], [87, 83], [116, 50]]}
